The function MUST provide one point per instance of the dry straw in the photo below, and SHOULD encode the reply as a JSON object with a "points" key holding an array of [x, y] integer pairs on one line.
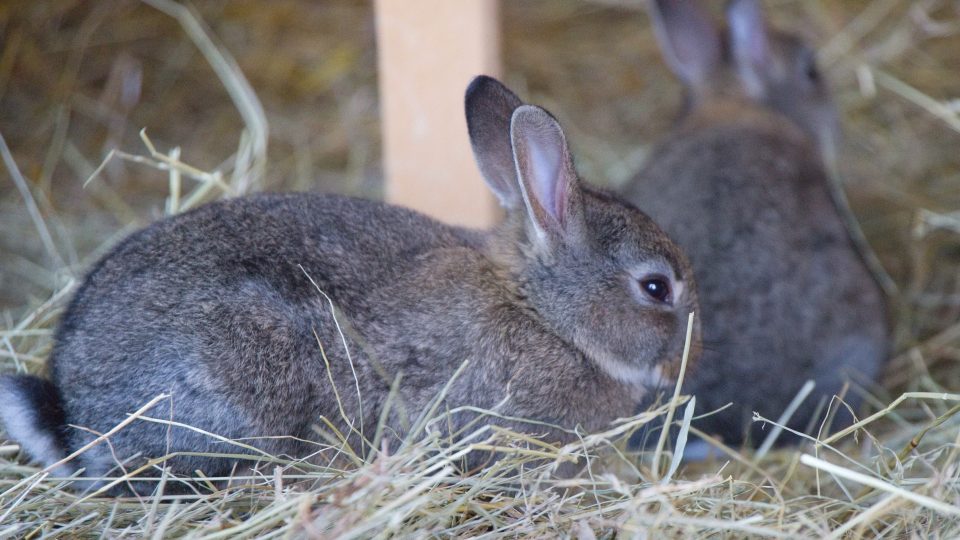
{"points": [[895, 473]]}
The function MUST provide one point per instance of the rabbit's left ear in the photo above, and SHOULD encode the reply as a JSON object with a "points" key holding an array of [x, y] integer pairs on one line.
{"points": [[489, 106], [690, 42], [547, 178]]}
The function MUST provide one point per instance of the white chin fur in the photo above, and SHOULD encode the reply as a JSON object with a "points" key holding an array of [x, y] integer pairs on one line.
{"points": [[634, 375]]}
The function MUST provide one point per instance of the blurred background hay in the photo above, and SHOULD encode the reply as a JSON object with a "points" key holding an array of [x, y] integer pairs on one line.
{"points": [[79, 79]]}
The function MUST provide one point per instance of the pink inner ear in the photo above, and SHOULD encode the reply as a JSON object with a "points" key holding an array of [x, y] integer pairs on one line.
{"points": [[546, 162], [689, 39], [748, 32]]}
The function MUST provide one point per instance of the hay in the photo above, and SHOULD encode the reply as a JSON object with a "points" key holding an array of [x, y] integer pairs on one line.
{"points": [[79, 80]]}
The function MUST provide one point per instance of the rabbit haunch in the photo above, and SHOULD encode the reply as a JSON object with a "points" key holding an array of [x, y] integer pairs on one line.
{"points": [[220, 308], [741, 186]]}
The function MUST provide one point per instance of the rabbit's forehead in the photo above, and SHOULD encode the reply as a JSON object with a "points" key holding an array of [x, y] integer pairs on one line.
{"points": [[644, 257], [628, 237], [654, 266], [639, 245], [639, 240]]}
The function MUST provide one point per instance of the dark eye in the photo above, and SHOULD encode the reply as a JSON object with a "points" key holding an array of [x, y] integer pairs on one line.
{"points": [[657, 287], [810, 67]]}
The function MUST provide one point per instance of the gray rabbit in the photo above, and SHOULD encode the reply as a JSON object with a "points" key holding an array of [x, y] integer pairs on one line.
{"points": [[740, 185], [567, 313]]}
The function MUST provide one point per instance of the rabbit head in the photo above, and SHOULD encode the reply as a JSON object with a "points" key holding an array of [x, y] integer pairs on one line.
{"points": [[600, 273], [747, 61]]}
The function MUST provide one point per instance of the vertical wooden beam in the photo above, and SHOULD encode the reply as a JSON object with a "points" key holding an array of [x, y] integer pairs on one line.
{"points": [[428, 50]]}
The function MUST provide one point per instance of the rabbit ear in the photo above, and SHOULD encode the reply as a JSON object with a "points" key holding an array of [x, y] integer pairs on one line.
{"points": [[489, 106], [690, 41], [749, 43], [548, 180]]}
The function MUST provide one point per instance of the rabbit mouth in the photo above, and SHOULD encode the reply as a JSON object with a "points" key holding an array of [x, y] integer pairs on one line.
{"points": [[671, 368]]}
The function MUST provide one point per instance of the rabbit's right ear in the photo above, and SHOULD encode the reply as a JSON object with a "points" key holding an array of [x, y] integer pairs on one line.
{"points": [[548, 179], [690, 41], [489, 106]]}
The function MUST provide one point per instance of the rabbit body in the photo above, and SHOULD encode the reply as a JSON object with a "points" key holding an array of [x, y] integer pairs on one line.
{"points": [[740, 185], [784, 296], [221, 309]]}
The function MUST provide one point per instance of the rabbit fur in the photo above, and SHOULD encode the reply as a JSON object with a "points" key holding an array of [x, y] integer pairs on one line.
{"points": [[558, 311], [740, 185]]}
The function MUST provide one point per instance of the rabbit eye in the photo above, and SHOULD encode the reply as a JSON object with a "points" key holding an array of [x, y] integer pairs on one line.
{"points": [[657, 287], [809, 66]]}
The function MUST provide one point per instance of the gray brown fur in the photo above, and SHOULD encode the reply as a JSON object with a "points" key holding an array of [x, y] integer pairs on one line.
{"points": [[213, 308], [740, 185]]}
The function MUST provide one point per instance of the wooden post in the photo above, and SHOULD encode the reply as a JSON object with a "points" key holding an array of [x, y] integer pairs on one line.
{"points": [[428, 50]]}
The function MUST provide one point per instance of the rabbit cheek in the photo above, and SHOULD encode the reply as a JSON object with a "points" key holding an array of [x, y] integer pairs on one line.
{"points": [[626, 345], [661, 331], [665, 336], [673, 362]]}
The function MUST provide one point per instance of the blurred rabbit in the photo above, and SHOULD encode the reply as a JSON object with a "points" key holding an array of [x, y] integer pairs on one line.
{"points": [[740, 185], [567, 313]]}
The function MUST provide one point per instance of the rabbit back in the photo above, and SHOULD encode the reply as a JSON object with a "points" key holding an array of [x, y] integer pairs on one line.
{"points": [[784, 295], [214, 308]]}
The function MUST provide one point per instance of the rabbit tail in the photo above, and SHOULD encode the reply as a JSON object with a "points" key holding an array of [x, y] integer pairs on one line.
{"points": [[31, 411]]}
